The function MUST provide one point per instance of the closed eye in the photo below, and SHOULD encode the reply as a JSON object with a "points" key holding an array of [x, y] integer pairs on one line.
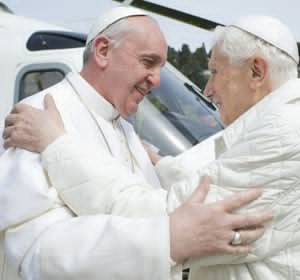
{"points": [[213, 71], [151, 61], [148, 62]]}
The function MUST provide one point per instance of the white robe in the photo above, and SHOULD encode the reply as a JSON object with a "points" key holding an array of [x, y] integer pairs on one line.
{"points": [[261, 148], [43, 237]]}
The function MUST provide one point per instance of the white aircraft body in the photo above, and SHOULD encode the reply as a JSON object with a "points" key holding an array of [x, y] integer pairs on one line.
{"points": [[20, 65]]}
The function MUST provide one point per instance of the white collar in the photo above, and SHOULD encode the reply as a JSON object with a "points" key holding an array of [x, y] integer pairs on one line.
{"points": [[91, 98]]}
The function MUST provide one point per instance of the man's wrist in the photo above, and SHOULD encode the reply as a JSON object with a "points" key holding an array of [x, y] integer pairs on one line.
{"points": [[53, 152]]}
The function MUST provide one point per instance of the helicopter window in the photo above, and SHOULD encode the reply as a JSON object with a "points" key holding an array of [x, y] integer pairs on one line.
{"points": [[55, 40], [173, 117], [33, 82]]}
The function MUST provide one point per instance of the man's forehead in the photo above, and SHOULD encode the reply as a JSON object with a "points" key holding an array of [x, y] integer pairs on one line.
{"points": [[212, 59], [153, 46], [217, 58], [146, 26], [139, 50]]}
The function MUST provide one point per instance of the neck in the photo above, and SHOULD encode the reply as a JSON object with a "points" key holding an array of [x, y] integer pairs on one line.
{"points": [[266, 90], [95, 81]]}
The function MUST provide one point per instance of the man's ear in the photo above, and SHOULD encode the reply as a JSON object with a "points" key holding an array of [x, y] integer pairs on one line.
{"points": [[259, 70], [101, 49]]}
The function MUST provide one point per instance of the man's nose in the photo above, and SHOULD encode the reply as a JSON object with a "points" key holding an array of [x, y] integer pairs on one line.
{"points": [[208, 90], [154, 78]]}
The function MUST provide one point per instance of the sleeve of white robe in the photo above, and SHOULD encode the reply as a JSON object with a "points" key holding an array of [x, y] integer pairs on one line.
{"points": [[171, 170], [180, 191], [268, 157], [93, 182], [43, 239]]}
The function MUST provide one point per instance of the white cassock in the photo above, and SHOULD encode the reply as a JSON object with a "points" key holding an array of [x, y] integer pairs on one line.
{"points": [[261, 148], [44, 239]]}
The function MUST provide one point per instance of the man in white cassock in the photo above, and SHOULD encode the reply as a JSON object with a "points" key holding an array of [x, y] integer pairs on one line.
{"points": [[45, 236]]}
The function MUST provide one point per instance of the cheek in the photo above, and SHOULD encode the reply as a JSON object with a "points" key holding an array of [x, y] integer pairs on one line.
{"points": [[234, 88], [221, 83]]}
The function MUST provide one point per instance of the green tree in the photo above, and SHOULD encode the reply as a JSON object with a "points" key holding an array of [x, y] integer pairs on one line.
{"points": [[191, 64], [173, 57]]}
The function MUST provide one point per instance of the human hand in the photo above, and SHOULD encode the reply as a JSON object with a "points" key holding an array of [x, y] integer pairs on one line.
{"points": [[33, 129], [198, 229]]}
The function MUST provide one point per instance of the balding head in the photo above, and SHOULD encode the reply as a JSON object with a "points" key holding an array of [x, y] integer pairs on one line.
{"points": [[116, 24], [111, 24], [125, 61]]}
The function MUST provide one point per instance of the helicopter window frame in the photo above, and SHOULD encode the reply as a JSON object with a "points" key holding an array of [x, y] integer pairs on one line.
{"points": [[55, 40], [37, 68]]}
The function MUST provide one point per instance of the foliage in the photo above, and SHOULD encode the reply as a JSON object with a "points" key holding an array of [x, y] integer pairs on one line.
{"points": [[194, 64], [191, 64]]}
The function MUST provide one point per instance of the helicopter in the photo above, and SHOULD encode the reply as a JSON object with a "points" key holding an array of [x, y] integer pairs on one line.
{"points": [[172, 118]]}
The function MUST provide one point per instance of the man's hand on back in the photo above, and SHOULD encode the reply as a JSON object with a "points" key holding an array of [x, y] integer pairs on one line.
{"points": [[33, 129], [198, 229]]}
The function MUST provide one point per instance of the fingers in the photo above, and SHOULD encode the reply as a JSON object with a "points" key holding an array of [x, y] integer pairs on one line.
{"points": [[11, 119], [15, 136], [7, 132], [53, 112], [32, 129], [249, 236], [240, 199], [20, 113], [20, 107], [236, 250], [200, 193], [8, 144], [251, 219], [49, 103], [12, 137]]}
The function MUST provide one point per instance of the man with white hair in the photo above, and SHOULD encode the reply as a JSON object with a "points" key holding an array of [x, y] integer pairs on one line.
{"points": [[254, 83], [45, 238]]}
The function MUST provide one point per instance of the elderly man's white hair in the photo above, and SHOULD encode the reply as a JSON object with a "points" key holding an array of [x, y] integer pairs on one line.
{"points": [[264, 36]]}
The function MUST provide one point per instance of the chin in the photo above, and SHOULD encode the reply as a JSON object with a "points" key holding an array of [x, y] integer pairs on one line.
{"points": [[132, 112], [128, 113], [224, 120], [133, 109]]}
